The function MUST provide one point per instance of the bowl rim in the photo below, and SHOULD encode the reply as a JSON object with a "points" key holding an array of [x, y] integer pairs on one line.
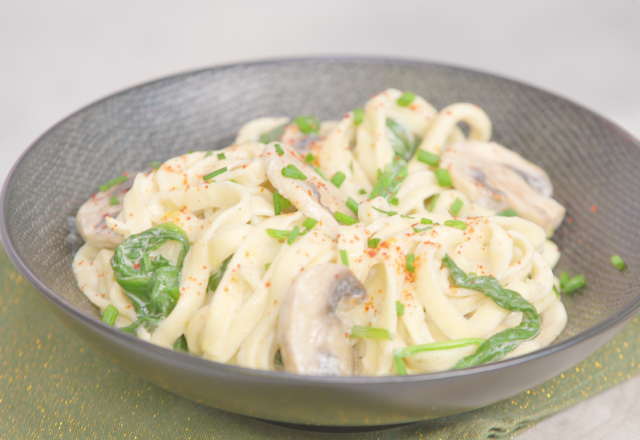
{"points": [[199, 363]]}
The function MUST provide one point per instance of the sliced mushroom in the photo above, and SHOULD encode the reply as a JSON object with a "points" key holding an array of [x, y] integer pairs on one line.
{"points": [[91, 217], [312, 328], [498, 178], [314, 197]]}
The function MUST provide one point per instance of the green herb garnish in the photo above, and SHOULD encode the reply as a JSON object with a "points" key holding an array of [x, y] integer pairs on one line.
{"points": [[214, 279], [352, 205], [114, 201], [400, 353], [292, 235], [403, 141], [399, 308], [309, 158], [508, 213], [373, 242], [571, 284], [434, 200], [362, 191], [156, 164], [221, 156], [181, 344], [411, 258], [338, 178], [456, 224], [309, 223], [273, 136], [358, 116], [406, 99], [113, 182], [457, 205], [345, 219], [428, 158], [209, 153], [394, 201], [279, 203], [343, 257], [359, 331], [308, 124], [214, 174], [321, 173], [110, 314], [279, 149], [292, 172], [618, 263], [443, 177]]}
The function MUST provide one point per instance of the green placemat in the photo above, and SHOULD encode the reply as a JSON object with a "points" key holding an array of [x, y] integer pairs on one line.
{"points": [[52, 385]]}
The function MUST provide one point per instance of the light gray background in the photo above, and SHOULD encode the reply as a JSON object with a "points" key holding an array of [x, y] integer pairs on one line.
{"points": [[56, 57]]}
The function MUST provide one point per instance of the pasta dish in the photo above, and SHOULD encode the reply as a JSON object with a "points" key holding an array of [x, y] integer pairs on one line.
{"points": [[389, 242]]}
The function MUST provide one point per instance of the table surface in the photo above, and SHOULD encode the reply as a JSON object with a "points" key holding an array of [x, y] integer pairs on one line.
{"points": [[60, 56]]}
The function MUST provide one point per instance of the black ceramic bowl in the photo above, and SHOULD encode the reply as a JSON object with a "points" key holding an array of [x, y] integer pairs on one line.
{"points": [[590, 161]]}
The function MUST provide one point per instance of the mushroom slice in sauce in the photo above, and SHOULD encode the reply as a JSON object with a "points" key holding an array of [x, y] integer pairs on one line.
{"points": [[312, 328], [498, 178], [314, 196], [92, 215]]}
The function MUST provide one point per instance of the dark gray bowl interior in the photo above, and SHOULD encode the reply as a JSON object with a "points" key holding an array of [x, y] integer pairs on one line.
{"points": [[590, 161]]}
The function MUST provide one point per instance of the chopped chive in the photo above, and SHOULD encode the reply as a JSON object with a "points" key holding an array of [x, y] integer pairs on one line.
{"points": [[358, 116], [434, 200], [292, 172], [457, 205], [399, 308], [401, 368], [379, 173], [279, 203], [110, 314], [338, 178], [359, 331], [390, 213], [344, 258], [362, 191], [234, 181], [400, 353], [215, 173], [209, 153], [555, 290], [191, 151], [266, 266], [352, 205], [293, 234], [428, 158], [221, 156], [308, 124], [345, 219], [394, 201], [426, 221], [309, 158], [508, 213], [373, 242], [278, 359], [406, 99], [181, 344], [564, 277], [322, 174], [278, 233], [113, 182], [351, 167], [411, 258], [618, 263], [574, 283], [423, 229], [443, 177], [156, 164], [114, 201], [279, 149], [456, 224], [309, 223]]}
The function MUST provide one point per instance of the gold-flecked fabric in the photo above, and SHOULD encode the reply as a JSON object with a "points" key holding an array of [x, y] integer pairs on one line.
{"points": [[52, 385]]}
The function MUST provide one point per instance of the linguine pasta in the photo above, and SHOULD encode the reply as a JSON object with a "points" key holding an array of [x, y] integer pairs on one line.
{"points": [[388, 242]]}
